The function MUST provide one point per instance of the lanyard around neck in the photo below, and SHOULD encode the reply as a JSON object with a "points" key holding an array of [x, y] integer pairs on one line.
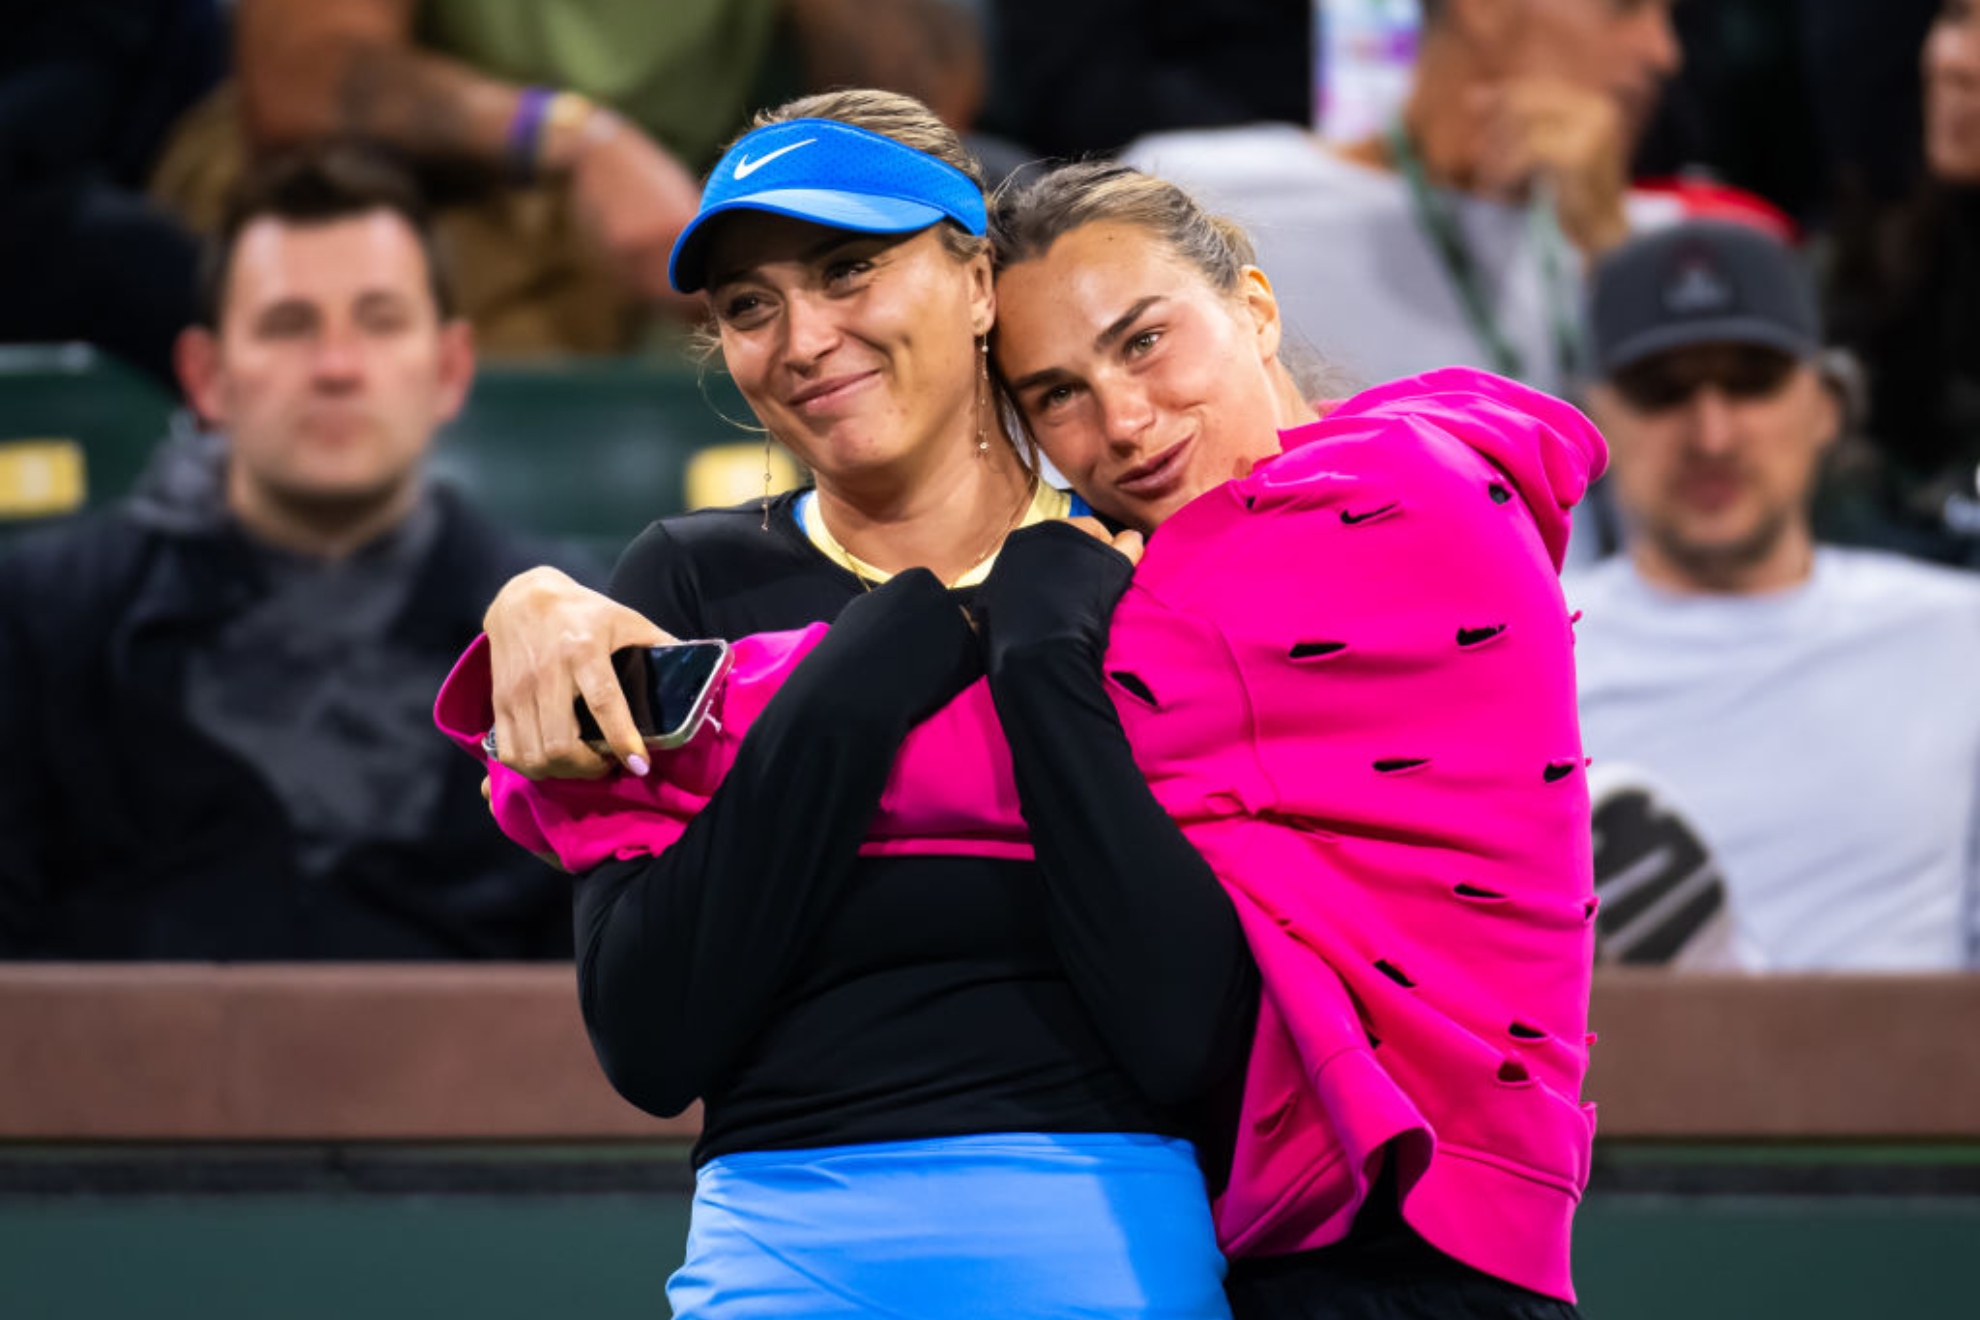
{"points": [[1436, 217]]}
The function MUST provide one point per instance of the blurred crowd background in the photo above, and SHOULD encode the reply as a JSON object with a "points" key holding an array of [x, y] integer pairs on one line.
{"points": [[213, 675]]}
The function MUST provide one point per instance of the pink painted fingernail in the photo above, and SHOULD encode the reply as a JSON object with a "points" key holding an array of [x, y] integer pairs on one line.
{"points": [[638, 765]]}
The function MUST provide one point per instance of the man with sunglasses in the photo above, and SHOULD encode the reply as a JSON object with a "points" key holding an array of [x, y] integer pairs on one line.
{"points": [[1814, 708]]}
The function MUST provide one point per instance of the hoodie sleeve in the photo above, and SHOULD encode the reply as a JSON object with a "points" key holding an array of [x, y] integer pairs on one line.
{"points": [[1550, 453], [584, 822]]}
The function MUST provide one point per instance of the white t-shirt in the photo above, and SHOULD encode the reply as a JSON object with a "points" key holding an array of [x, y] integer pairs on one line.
{"points": [[1825, 741], [1356, 277]]}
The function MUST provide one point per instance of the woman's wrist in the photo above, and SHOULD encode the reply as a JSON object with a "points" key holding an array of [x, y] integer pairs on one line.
{"points": [[1053, 584], [901, 650]]}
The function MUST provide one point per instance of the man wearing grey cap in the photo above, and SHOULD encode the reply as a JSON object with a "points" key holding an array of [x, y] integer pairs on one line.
{"points": [[1813, 708]]}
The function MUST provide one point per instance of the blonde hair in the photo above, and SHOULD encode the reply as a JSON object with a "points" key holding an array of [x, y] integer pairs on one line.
{"points": [[1026, 223]]}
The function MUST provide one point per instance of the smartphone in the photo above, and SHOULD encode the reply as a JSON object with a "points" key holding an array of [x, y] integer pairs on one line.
{"points": [[669, 690]]}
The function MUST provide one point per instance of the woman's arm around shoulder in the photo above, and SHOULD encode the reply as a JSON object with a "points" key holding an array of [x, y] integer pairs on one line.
{"points": [[1149, 937]]}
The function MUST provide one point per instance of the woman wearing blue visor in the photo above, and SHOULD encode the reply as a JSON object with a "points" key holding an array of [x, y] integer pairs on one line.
{"points": [[931, 1087]]}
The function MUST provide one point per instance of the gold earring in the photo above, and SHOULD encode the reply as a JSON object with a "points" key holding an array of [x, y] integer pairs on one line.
{"points": [[982, 395], [766, 479]]}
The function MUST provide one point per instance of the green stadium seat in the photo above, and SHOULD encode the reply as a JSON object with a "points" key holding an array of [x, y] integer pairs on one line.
{"points": [[76, 428], [592, 451], [587, 451]]}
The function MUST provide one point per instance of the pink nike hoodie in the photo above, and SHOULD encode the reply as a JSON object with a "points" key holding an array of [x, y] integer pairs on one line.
{"points": [[1349, 678]]}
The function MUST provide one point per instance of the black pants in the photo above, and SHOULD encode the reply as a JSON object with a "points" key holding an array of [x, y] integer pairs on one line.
{"points": [[1382, 1270]]}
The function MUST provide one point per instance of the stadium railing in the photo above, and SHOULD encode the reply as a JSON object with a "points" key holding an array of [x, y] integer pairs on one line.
{"points": [[392, 1052]]}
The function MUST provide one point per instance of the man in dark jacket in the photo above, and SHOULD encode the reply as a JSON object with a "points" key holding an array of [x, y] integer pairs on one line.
{"points": [[214, 699]]}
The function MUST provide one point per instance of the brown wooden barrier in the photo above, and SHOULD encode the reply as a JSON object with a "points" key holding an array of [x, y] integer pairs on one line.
{"points": [[1789, 1057], [329, 1053], [357, 1053]]}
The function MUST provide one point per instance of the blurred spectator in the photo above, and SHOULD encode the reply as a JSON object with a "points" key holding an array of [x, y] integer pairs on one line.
{"points": [[608, 108], [86, 90], [1457, 237], [1080, 77], [217, 695], [1814, 708], [1906, 296]]}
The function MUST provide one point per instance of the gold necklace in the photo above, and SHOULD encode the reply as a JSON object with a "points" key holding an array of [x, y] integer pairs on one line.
{"points": [[1011, 524]]}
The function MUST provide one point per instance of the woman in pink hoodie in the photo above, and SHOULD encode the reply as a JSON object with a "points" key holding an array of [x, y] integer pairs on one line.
{"points": [[1339, 686], [1344, 667]]}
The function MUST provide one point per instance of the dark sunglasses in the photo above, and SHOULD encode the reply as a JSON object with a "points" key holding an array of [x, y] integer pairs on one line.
{"points": [[1667, 380]]}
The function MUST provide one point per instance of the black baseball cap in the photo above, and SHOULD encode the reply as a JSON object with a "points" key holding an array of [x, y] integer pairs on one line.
{"points": [[1700, 282]]}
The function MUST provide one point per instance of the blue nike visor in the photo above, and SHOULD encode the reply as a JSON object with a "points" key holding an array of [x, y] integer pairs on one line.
{"points": [[830, 174]]}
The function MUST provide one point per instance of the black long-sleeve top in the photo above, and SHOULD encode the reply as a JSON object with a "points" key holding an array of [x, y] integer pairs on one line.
{"points": [[1134, 903], [810, 996]]}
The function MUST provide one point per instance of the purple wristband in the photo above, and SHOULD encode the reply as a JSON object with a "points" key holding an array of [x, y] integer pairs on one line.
{"points": [[525, 136]]}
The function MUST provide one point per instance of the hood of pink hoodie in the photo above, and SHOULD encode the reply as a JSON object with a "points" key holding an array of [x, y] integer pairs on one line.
{"points": [[1548, 451], [952, 790]]}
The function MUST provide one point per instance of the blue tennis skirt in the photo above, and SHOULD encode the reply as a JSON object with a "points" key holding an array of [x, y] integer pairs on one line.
{"points": [[1093, 1225]]}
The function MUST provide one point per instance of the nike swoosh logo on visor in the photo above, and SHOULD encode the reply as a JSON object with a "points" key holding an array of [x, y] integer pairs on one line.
{"points": [[746, 167]]}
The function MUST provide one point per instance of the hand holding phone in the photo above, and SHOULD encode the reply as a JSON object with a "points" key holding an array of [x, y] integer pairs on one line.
{"points": [[669, 690], [549, 640]]}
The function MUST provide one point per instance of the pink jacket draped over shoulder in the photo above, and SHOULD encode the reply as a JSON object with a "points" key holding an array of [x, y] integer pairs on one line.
{"points": [[952, 790], [1349, 677]]}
